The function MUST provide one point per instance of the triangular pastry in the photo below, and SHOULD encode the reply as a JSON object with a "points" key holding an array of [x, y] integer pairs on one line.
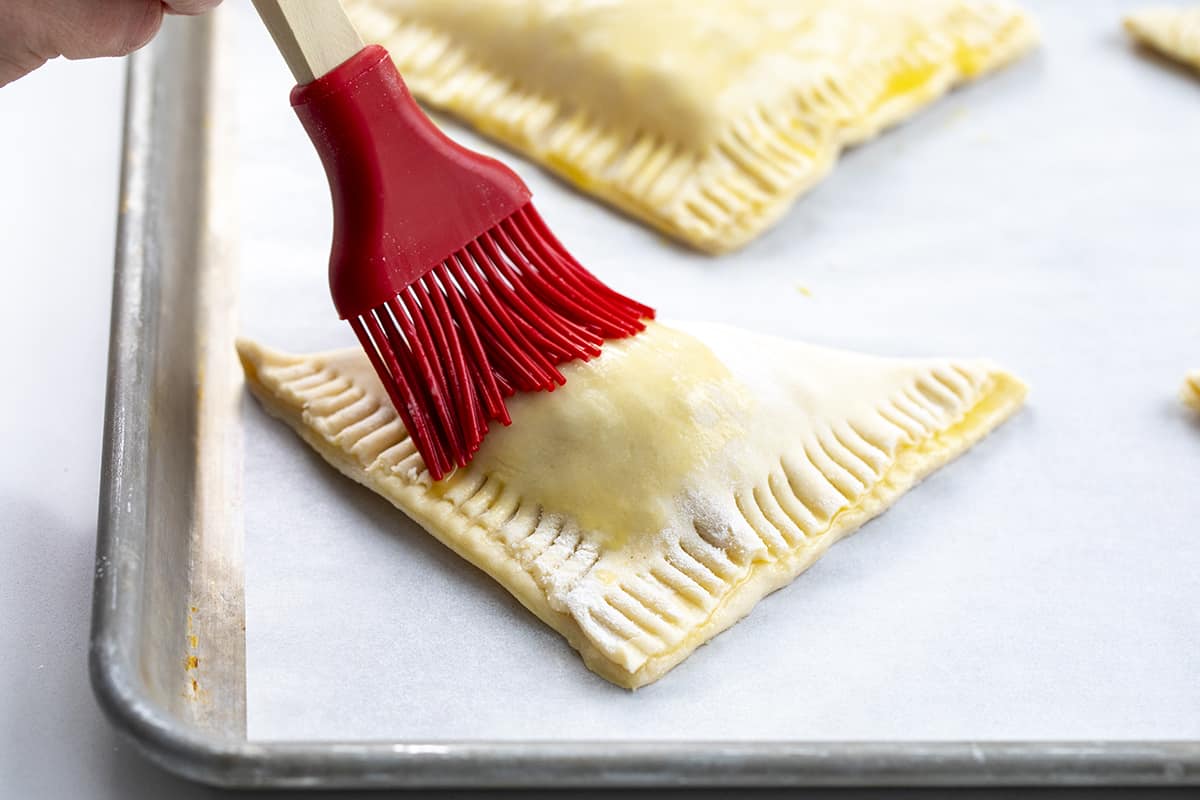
{"points": [[1174, 32], [672, 483], [705, 118], [1191, 390]]}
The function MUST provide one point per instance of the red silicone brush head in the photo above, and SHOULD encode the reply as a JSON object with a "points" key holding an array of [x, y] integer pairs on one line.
{"points": [[457, 290]]}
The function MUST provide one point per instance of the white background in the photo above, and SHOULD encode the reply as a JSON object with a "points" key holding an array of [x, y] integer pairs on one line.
{"points": [[59, 152]]}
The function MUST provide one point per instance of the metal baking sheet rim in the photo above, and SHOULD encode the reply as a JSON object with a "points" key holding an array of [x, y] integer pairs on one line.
{"points": [[226, 758]]}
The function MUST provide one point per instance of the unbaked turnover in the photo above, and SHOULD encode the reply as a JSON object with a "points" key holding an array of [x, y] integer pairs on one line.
{"points": [[704, 118], [671, 484], [1191, 389], [1174, 32]]}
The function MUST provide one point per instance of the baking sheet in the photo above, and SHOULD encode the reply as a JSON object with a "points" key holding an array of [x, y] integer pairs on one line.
{"points": [[1044, 586]]}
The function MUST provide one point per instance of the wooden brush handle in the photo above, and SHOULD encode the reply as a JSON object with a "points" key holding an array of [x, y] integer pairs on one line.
{"points": [[314, 36]]}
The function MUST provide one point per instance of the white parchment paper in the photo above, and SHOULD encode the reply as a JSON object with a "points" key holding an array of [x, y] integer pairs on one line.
{"points": [[1046, 585]]}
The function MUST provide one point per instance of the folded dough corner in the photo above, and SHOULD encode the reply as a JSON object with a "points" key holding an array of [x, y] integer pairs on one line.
{"points": [[1173, 32], [1191, 390]]}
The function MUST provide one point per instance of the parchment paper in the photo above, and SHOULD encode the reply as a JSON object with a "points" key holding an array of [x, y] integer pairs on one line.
{"points": [[1046, 585]]}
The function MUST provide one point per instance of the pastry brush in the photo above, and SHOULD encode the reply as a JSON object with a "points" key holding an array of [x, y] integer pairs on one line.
{"points": [[456, 288]]}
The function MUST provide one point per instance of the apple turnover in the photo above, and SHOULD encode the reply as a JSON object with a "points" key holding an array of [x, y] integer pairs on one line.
{"points": [[671, 484], [1174, 32], [1191, 390], [704, 118]]}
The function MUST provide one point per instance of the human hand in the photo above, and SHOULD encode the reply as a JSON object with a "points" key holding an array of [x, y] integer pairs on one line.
{"points": [[34, 31]]}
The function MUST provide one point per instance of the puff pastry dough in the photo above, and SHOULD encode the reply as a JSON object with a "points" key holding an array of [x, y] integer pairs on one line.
{"points": [[705, 118], [1174, 32], [671, 484], [1191, 390]]}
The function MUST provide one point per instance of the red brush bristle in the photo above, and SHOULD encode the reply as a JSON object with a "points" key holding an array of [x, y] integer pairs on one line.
{"points": [[453, 320], [496, 317]]}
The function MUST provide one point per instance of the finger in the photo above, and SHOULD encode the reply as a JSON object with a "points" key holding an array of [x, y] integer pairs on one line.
{"points": [[190, 6], [16, 59], [86, 28]]}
